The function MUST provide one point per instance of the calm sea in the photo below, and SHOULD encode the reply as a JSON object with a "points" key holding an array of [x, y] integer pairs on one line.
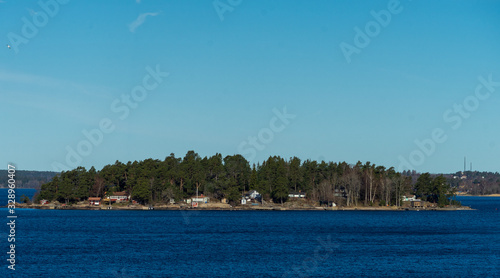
{"points": [[61, 243], [18, 192]]}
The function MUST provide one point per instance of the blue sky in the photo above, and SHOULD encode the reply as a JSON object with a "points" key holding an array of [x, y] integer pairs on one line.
{"points": [[233, 64]]}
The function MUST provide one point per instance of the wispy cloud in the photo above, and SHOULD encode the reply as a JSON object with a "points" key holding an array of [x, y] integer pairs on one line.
{"points": [[55, 84], [140, 20], [65, 98], [63, 108]]}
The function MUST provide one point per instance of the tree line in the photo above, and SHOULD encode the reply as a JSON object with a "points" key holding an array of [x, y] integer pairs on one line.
{"points": [[28, 179], [476, 183], [154, 181]]}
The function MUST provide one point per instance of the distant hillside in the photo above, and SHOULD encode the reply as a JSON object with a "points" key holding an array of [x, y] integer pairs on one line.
{"points": [[469, 182], [27, 179], [476, 183]]}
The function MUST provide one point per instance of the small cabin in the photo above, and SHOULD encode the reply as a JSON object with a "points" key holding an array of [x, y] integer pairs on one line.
{"points": [[417, 204], [94, 201]]}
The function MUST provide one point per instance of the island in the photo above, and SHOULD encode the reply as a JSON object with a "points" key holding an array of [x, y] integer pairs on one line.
{"points": [[231, 183]]}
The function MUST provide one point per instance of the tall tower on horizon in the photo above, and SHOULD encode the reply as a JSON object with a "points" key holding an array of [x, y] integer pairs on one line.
{"points": [[465, 163]]}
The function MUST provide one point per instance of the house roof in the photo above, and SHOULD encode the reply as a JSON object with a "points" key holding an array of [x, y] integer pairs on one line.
{"points": [[123, 193], [94, 199]]}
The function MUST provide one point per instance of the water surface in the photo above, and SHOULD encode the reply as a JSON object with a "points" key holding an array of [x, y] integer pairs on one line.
{"points": [[65, 243]]}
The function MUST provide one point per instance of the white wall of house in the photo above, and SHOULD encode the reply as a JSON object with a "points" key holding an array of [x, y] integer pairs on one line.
{"points": [[200, 199], [119, 197], [254, 194], [296, 195]]}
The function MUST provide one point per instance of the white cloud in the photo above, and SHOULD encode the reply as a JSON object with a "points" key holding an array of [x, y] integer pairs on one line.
{"points": [[139, 21]]}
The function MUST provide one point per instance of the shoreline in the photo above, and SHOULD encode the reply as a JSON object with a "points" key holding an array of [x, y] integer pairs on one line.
{"points": [[222, 207], [489, 195]]}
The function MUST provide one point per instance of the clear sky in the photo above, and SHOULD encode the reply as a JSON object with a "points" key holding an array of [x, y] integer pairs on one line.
{"points": [[323, 80]]}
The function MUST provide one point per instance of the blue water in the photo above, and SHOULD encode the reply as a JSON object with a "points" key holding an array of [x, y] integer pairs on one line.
{"points": [[63, 243], [4, 192]]}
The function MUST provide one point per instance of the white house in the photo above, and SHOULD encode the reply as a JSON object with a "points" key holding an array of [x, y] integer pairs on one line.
{"points": [[200, 199], [119, 197], [297, 195], [253, 194], [410, 199]]}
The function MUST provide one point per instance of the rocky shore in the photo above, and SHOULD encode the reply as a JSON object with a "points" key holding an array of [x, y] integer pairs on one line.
{"points": [[221, 206]]}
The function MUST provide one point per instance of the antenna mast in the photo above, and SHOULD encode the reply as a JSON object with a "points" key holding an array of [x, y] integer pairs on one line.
{"points": [[465, 163]]}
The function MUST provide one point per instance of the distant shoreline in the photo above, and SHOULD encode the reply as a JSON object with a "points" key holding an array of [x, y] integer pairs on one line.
{"points": [[4, 187], [489, 195]]}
